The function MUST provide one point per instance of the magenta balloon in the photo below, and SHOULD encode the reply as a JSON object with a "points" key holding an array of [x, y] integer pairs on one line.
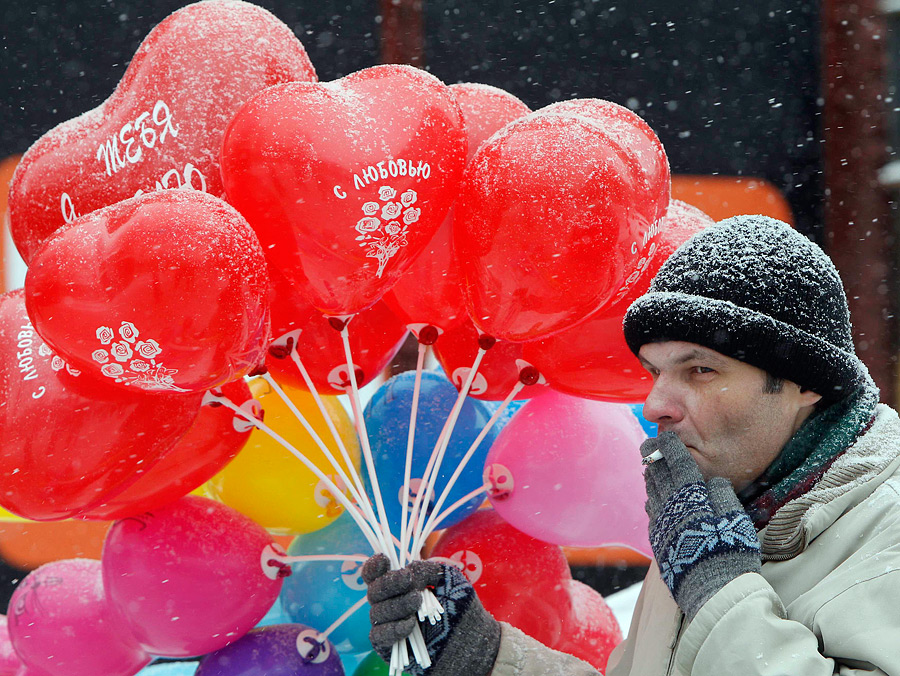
{"points": [[568, 471], [61, 624], [190, 577]]}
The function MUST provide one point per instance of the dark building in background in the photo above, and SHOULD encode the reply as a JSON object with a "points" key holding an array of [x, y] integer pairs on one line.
{"points": [[729, 89]]}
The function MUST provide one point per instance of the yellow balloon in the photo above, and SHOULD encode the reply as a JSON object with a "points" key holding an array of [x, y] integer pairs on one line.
{"points": [[9, 516], [267, 483]]}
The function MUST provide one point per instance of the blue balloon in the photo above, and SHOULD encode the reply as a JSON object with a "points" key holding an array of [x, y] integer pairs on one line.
{"points": [[651, 428], [352, 661], [317, 593], [387, 421], [508, 414], [276, 615]]}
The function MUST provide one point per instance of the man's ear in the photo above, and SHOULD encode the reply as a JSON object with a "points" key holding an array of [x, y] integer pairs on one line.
{"points": [[808, 397]]}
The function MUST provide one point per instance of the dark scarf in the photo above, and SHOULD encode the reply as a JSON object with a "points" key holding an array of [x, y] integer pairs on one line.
{"points": [[821, 439]]}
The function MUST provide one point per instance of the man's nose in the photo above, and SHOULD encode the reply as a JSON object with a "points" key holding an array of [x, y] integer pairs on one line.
{"points": [[663, 405]]}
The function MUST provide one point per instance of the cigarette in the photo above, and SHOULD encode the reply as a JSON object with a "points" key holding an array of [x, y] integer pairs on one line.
{"points": [[653, 457]]}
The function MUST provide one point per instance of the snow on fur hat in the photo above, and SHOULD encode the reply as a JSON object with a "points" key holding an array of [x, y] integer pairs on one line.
{"points": [[752, 288]]}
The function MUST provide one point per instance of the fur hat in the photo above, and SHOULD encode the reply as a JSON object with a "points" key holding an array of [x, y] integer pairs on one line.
{"points": [[752, 288]]}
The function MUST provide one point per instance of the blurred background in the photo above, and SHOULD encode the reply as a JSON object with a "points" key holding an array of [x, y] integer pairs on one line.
{"points": [[782, 107]]}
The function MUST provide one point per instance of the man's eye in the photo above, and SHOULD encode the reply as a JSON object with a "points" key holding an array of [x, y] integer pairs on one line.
{"points": [[703, 369]]}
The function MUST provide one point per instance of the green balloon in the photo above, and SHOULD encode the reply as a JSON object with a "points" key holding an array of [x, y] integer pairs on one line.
{"points": [[372, 665]]}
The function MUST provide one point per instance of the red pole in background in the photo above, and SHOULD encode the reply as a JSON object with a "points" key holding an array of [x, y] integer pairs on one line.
{"points": [[858, 229], [403, 41], [402, 32]]}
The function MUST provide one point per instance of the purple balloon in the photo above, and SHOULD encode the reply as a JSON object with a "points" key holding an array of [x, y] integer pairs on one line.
{"points": [[275, 651]]}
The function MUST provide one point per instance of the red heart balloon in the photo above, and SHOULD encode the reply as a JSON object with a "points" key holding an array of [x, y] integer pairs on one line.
{"points": [[519, 579], [430, 292], [556, 212], [375, 336], [592, 359], [346, 182], [167, 291], [498, 372], [71, 441], [593, 630], [216, 436], [163, 125]]}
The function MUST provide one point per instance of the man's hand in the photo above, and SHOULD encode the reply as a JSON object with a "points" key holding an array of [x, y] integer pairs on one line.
{"points": [[700, 534], [466, 638]]}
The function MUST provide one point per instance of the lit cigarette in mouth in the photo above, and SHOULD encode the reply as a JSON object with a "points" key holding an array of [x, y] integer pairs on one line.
{"points": [[653, 457]]}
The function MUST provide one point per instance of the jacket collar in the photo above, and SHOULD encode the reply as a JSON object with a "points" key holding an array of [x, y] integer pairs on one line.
{"points": [[852, 477]]}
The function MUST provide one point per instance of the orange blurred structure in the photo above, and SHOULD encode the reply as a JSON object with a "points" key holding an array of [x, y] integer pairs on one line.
{"points": [[7, 169], [724, 196], [29, 544]]}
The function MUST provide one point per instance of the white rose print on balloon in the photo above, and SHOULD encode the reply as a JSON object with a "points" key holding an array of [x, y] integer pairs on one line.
{"points": [[131, 361], [385, 224]]}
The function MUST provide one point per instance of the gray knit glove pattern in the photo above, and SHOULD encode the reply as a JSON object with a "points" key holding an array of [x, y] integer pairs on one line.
{"points": [[701, 536], [464, 641]]}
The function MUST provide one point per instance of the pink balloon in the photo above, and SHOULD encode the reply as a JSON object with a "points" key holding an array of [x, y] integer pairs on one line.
{"points": [[10, 664], [61, 623], [190, 577], [568, 471]]}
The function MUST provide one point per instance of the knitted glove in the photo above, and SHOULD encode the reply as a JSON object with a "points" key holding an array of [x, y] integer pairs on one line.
{"points": [[700, 534], [464, 641]]}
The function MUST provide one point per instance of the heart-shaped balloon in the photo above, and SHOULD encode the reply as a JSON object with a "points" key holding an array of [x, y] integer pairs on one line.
{"points": [[215, 438], [375, 335], [346, 182], [70, 440], [555, 214], [430, 292], [166, 291], [498, 372], [592, 359], [519, 579], [593, 631], [163, 125]]}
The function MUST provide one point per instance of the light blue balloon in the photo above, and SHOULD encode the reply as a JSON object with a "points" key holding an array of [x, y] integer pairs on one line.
{"points": [[169, 669], [318, 592], [507, 414], [651, 428], [387, 421], [352, 661], [276, 615]]}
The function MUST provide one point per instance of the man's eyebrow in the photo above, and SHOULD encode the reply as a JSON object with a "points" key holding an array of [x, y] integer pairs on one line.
{"points": [[701, 355]]}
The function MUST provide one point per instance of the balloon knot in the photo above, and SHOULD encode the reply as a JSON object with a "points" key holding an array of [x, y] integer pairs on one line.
{"points": [[486, 342], [529, 375], [284, 569], [261, 369], [338, 323], [429, 335], [282, 351]]}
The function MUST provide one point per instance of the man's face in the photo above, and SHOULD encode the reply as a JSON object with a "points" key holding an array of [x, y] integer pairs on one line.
{"points": [[718, 408]]}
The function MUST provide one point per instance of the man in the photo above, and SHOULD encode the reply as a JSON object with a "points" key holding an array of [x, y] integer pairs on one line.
{"points": [[773, 488]]}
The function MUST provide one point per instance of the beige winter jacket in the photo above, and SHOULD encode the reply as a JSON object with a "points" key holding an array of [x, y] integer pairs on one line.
{"points": [[827, 601]]}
